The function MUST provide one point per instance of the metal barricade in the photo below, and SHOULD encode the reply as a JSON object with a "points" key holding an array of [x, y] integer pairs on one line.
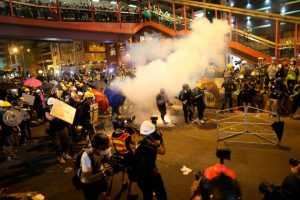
{"points": [[252, 126]]}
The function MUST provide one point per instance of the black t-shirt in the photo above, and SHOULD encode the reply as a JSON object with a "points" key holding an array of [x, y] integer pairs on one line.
{"points": [[290, 188], [144, 159]]}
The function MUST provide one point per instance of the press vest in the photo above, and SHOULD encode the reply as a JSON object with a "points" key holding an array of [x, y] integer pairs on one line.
{"points": [[120, 143]]}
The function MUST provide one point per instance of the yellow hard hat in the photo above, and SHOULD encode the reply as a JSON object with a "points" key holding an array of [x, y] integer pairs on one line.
{"points": [[22, 98], [63, 88], [80, 84], [260, 58], [4, 104], [229, 65], [200, 85], [89, 89], [26, 90], [70, 83], [89, 94]]}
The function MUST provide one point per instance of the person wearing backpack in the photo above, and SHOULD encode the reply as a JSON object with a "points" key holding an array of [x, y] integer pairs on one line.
{"points": [[148, 178], [94, 168]]}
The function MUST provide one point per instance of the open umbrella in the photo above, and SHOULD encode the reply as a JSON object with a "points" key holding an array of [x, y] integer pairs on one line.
{"points": [[101, 99], [147, 14], [115, 98], [211, 87], [32, 82]]}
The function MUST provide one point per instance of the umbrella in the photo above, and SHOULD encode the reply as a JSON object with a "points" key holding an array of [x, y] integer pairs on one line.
{"points": [[115, 98], [278, 128], [147, 14], [101, 99], [210, 87], [32, 82], [7, 86]]}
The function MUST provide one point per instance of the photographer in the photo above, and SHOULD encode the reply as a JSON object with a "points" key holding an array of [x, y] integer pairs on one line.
{"points": [[124, 146], [148, 178], [216, 182], [290, 187], [94, 169]]}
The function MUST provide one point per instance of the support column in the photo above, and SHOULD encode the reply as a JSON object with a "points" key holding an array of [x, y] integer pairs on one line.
{"points": [[119, 14], [58, 10], [174, 16], [216, 14], [236, 29], [92, 11], [193, 14], [229, 22], [296, 50], [184, 16], [149, 6], [276, 38], [11, 8], [139, 11]]}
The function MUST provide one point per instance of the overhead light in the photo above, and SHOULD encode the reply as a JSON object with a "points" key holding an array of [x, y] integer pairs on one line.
{"points": [[248, 18], [267, 1], [264, 8], [132, 6], [114, 2], [248, 5], [283, 10], [231, 4], [292, 12]]}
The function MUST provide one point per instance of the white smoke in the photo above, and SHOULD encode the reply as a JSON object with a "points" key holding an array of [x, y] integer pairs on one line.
{"points": [[169, 63]]}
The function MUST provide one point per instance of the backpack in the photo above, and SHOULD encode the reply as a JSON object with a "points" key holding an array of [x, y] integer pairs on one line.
{"points": [[77, 168]]}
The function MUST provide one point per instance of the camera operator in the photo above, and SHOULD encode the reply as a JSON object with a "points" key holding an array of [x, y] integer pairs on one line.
{"points": [[290, 187], [148, 178], [216, 182], [124, 146], [94, 169]]}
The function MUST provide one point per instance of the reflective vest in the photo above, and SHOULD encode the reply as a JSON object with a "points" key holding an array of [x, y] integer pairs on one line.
{"points": [[120, 144]]}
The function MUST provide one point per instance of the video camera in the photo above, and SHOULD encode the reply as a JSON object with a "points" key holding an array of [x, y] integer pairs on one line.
{"points": [[125, 123]]}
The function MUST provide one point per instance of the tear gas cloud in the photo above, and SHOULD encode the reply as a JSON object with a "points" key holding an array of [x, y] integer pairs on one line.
{"points": [[168, 63]]}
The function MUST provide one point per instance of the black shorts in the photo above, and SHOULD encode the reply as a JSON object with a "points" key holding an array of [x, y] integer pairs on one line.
{"points": [[92, 191]]}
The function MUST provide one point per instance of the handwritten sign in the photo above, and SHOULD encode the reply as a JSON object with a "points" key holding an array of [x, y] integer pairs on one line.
{"points": [[29, 98], [63, 111]]}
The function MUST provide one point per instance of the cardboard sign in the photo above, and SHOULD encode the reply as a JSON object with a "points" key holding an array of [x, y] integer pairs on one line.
{"points": [[63, 111], [29, 98], [94, 113]]}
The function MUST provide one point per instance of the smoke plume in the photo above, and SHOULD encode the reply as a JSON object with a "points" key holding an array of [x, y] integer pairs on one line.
{"points": [[169, 63]]}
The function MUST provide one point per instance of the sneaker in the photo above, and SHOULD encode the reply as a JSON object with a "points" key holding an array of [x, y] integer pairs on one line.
{"points": [[202, 121], [61, 160], [9, 158]]}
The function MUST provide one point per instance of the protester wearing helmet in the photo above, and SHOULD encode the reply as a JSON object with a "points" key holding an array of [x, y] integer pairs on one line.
{"points": [[229, 72], [292, 75], [217, 182], [199, 101], [262, 72], [272, 71], [57, 130], [148, 178], [186, 97], [87, 127], [25, 125], [161, 101], [94, 168], [124, 146], [229, 87]]}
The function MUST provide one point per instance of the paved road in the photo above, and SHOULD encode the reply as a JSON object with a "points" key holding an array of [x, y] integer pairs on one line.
{"points": [[187, 145]]}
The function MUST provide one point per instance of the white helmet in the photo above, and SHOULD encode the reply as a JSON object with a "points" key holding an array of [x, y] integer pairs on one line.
{"points": [[147, 128], [50, 101], [244, 62], [38, 91], [14, 91]]}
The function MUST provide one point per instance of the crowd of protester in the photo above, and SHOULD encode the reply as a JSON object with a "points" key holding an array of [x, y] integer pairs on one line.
{"points": [[246, 85]]}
